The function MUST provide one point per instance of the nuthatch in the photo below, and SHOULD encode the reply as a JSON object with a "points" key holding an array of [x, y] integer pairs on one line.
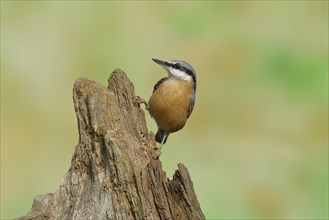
{"points": [[173, 98]]}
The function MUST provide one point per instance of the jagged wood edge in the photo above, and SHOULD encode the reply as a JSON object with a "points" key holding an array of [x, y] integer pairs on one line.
{"points": [[153, 195]]}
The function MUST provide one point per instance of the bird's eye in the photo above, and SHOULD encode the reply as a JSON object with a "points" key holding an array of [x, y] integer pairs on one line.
{"points": [[177, 66]]}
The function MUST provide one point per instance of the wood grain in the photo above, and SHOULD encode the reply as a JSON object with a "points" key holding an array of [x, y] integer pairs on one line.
{"points": [[115, 173]]}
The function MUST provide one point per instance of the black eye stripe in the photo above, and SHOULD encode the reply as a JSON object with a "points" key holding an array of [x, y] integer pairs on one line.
{"points": [[173, 65], [183, 68], [189, 72]]}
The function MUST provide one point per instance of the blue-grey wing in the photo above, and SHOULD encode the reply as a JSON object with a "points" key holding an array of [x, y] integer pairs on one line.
{"points": [[158, 83], [192, 100]]}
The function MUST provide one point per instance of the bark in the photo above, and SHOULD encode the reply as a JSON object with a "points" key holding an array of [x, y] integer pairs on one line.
{"points": [[115, 172]]}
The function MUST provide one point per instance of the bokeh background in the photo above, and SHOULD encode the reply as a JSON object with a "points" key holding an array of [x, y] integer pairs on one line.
{"points": [[256, 144]]}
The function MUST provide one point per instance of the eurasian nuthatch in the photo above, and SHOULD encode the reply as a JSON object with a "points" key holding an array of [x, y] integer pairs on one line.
{"points": [[173, 98]]}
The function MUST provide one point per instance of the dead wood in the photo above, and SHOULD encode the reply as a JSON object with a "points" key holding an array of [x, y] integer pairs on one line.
{"points": [[115, 173]]}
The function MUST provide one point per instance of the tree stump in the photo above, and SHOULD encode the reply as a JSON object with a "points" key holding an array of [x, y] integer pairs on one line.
{"points": [[115, 173]]}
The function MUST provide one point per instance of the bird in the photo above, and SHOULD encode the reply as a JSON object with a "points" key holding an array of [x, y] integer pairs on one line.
{"points": [[173, 98]]}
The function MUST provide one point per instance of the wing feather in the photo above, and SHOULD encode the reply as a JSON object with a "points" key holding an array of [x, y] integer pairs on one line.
{"points": [[158, 83], [192, 100]]}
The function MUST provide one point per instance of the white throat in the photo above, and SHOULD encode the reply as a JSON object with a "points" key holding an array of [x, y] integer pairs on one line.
{"points": [[179, 74]]}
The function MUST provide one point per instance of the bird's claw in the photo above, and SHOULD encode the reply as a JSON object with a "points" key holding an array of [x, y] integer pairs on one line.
{"points": [[138, 100]]}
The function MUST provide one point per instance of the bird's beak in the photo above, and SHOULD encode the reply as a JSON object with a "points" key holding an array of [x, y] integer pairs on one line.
{"points": [[160, 62]]}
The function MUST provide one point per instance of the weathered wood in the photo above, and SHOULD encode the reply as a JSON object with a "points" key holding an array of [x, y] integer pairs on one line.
{"points": [[115, 173]]}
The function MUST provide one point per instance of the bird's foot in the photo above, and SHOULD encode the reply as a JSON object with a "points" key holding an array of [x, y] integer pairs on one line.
{"points": [[138, 100], [157, 152]]}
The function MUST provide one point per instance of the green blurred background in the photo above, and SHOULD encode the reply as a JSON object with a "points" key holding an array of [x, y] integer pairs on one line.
{"points": [[256, 144]]}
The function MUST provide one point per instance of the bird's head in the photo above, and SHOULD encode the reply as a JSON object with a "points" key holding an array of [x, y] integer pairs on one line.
{"points": [[178, 68]]}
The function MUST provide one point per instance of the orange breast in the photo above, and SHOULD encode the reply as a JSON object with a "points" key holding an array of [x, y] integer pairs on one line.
{"points": [[169, 104]]}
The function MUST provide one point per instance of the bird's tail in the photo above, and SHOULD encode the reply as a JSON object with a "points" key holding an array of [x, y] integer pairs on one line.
{"points": [[161, 137]]}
